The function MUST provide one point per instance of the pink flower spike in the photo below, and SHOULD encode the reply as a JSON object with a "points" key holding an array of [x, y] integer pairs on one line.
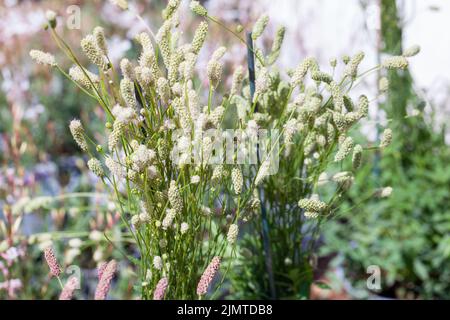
{"points": [[49, 255], [104, 283], [69, 288], [101, 268], [208, 276], [160, 289]]}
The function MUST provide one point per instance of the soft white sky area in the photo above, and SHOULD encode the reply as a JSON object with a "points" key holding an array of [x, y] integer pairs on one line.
{"points": [[332, 28]]}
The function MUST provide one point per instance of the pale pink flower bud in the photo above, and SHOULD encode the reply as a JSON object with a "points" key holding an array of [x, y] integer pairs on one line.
{"points": [[101, 268], [49, 255], [160, 289], [69, 288], [105, 281], [208, 276]]}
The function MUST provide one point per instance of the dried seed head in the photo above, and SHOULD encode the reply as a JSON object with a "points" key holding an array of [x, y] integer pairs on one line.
{"points": [[173, 70], [218, 173], [127, 69], [237, 180], [77, 131], [43, 58], [301, 71], [357, 156], [217, 115], [52, 263], [219, 53], [320, 76], [189, 65], [93, 52], [339, 121], [141, 158], [260, 26], [170, 10], [363, 106], [135, 221], [352, 68], [232, 234], [51, 15], [398, 62], [383, 192], [333, 62], [312, 205], [160, 289], [163, 89], [208, 276], [197, 8], [348, 103], [290, 129], [144, 217], [100, 40], [184, 227], [96, 167], [344, 179], [214, 71], [276, 45], [147, 59], [87, 79], [412, 51], [383, 84], [114, 167], [144, 40], [163, 41], [323, 179], [238, 78], [311, 214], [182, 113], [144, 76], [168, 219], [262, 172], [351, 118], [262, 83], [199, 36], [338, 97], [127, 92], [114, 137], [125, 115], [386, 138], [344, 149], [175, 198], [157, 263]]}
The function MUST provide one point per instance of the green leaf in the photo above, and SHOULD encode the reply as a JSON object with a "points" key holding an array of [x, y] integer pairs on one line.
{"points": [[420, 269]]}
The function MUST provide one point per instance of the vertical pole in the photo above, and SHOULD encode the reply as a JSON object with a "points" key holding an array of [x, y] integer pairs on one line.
{"points": [[265, 225]]}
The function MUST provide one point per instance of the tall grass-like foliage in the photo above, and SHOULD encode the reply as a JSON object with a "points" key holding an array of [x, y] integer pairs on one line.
{"points": [[185, 211]]}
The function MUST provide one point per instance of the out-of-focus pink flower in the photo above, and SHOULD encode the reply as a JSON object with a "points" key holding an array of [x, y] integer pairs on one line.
{"points": [[105, 281], [49, 255], [160, 289], [71, 285], [11, 287], [10, 255], [101, 268], [208, 276], [3, 269]]}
